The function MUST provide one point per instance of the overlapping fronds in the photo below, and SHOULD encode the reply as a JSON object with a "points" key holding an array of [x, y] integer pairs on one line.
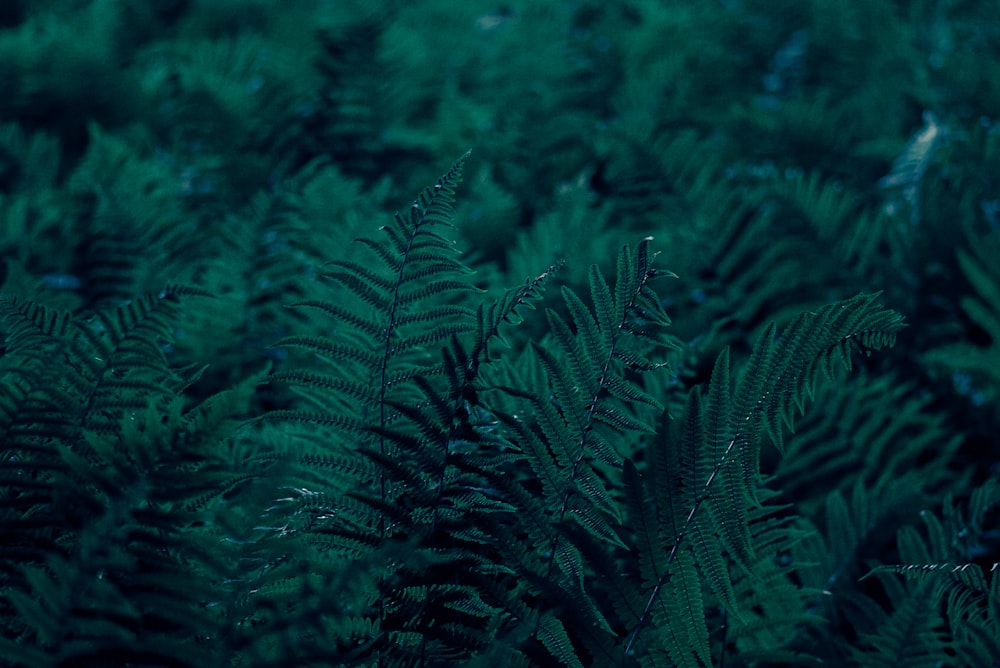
{"points": [[707, 484]]}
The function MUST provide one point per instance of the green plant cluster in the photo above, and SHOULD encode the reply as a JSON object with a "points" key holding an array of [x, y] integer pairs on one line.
{"points": [[692, 360]]}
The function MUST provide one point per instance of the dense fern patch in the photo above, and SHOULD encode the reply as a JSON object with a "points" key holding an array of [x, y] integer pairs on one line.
{"points": [[691, 361]]}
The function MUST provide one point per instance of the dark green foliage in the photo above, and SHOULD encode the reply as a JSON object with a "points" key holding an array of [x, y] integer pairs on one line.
{"points": [[249, 417], [706, 478], [949, 603], [108, 480], [977, 363]]}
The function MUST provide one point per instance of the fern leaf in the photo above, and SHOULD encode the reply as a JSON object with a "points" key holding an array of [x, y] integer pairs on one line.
{"points": [[772, 386], [327, 383], [681, 621], [330, 349], [642, 521], [358, 274], [311, 418], [553, 635], [546, 468], [340, 314], [585, 514], [910, 636], [630, 393], [967, 575], [26, 322]]}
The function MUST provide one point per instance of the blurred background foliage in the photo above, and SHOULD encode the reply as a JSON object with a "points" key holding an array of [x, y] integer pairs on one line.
{"points": [[782, 155]]}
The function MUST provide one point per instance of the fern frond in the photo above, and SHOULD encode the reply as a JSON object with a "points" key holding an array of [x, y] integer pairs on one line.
{"points": [[777, 381], [27, 322], [553, 635], [580, 369], [969, 576], [117, 546], [312, 418], [684, 634], [779, 374], [969, 594], [910, 635], [434, 455]]}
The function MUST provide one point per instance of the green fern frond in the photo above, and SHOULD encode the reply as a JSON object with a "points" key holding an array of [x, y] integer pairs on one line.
{"points": [[553, 635], [26, 323], [968, 576], [567, 447], [685, 635], [118, 547], [778, 376], [910, 635], [969, 594], [782, 374], [431, 449], [861, 236], [506, 310], [415, 266]]}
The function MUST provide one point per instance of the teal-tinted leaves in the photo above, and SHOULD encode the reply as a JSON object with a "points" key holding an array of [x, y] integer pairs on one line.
{"points": [[592, 520], [587, 381], [719, 465], [398, 395], [330, 349], [910, 636], [781, 373], [631, 393], [641, 519], [723, 488], [621, 421], [553, 635], [717, 425], [606, 307], [26, 322], [680, 620], [355, 276], [326, 383], [585, 365], [591, 410], [547, 465], [505, 310], [393, 311], [342, 315]]}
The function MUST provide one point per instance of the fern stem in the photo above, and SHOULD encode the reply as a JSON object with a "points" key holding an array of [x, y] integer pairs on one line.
{"points": [[419, 217], [588, 420]]}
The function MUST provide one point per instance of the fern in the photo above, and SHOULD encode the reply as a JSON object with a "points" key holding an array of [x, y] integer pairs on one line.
{"points": [[443, 467], [974, 365], [433, 473], [839, 439], [915, 629], [466, 496], [775, 382], [423, 431], [107, 481]]}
